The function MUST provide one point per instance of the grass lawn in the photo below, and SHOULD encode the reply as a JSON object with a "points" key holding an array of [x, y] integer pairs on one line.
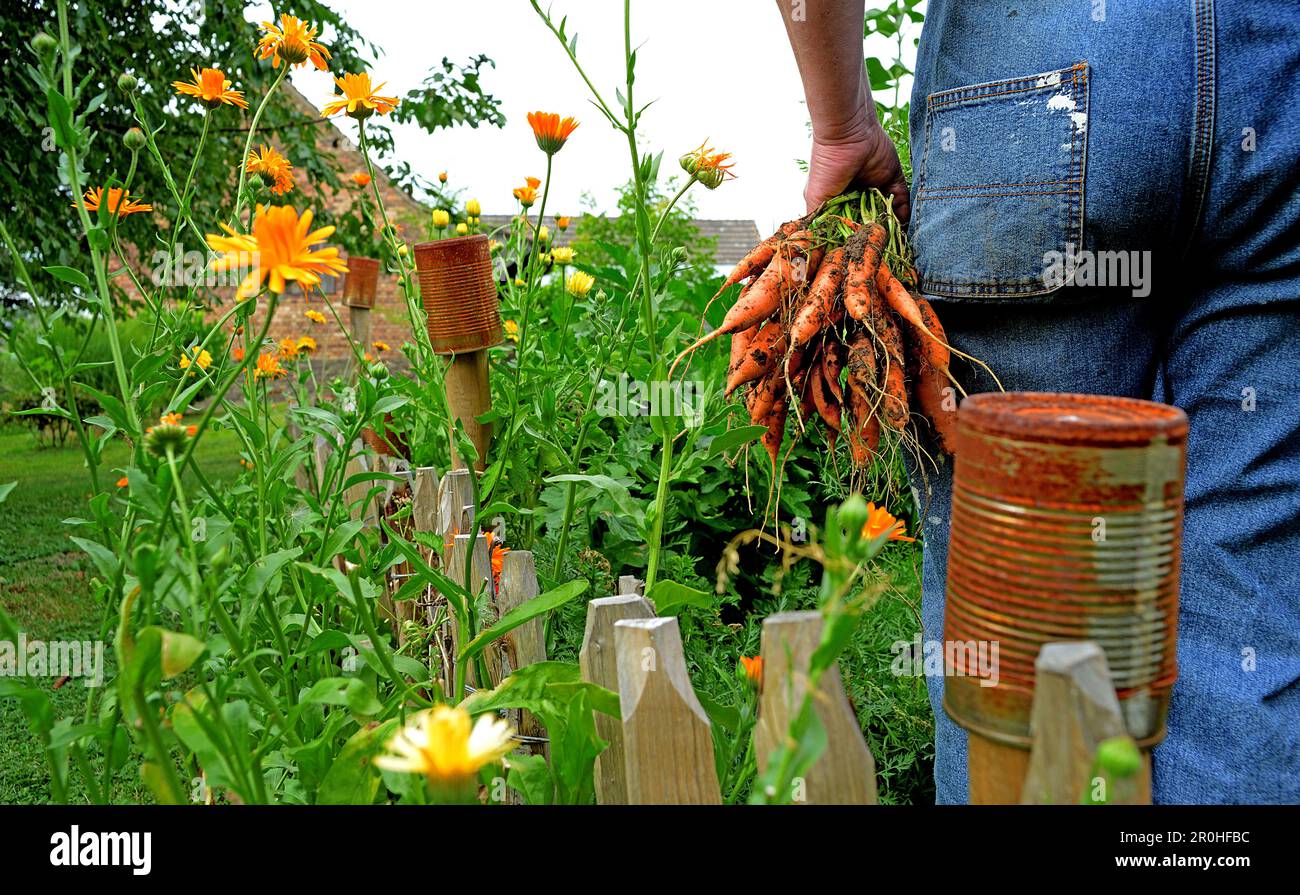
{"points": [[44, 585]]}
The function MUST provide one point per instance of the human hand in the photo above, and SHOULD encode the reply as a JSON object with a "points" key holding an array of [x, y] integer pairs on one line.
{"points": [[863, 157]]}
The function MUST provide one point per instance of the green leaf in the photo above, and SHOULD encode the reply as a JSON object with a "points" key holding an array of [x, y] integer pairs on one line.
{"points": [[669, 597], [734, 438], [530, 776], [353, 779], [540, 605], [68, 275], [179, 652], [5, 489]]}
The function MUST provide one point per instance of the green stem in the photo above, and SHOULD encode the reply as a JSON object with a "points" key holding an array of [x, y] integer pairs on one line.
{"points": [[248, 143]]}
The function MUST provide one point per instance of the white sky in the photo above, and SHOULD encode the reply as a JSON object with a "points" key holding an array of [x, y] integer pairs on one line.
{"points": [[720, 70]]}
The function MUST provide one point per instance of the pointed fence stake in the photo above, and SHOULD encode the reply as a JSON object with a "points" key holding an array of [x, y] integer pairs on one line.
{"points": [[1075, 709], [845, 773], [599, 664], [667, 738]]}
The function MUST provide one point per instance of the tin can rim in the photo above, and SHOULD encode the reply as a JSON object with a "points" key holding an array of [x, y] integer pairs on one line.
{"points": [[1072, 419]]}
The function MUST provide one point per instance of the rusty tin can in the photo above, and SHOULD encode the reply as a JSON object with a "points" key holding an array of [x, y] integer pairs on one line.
{"points": [[1067, 515], [460, 294], [361, 282]]}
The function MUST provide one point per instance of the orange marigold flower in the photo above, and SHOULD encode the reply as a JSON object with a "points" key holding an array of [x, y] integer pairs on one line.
{"points": [[168, 436], [368, 357], [280, 249], [753, 668], [497, 550], [550, 130], [442, 176], [238, 354], [315, 316], [562, 222], [123, 482], [306, 344], [361, 178], [212, 88], [380, 346], [527, 194], [707, 166], [881, 522], [273, 168], [268, 366], [294, 41], [288, 348], [358, 99], [117, 202]]}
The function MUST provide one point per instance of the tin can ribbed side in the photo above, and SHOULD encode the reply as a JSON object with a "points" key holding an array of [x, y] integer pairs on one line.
{"points": [[459, 293], [361, 282], [1066, 525]]}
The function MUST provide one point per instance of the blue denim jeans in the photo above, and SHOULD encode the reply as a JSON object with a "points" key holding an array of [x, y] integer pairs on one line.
{"points": [[1166, 128]]}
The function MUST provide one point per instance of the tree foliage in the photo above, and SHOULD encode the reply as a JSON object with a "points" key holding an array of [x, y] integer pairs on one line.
{"points": [[160, 41]]}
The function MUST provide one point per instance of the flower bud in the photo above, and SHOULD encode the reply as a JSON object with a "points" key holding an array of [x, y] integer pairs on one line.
{"points": [[473, 209], [134, 139], [441, 218], [126, 82], [44, 45]]}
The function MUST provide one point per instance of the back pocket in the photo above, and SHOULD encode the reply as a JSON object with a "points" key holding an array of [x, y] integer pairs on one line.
{"points": [[1000, 185]]}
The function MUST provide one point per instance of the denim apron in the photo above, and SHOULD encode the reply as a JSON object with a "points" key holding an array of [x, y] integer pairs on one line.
{"points": [[1161, 136]]}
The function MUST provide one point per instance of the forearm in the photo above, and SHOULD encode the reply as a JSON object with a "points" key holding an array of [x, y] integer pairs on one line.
{"points": [[827, 45]]}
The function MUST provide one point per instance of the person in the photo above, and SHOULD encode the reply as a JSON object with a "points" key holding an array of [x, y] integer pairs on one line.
{"points": [[1164, 131]]}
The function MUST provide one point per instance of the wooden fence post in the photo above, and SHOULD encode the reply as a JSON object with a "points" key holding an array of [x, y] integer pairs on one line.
{"points": [[599, 664], [468, 395], [1075, 709], [667, 739], [630, 584], [845, 774], [526, 644]]}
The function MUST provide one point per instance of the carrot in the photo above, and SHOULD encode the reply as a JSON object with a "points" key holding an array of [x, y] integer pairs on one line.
{"points": [[739, 345], [934, 395], [860, 292], [832, 364], [934, 326], [894, 407], [764, 396], [865, 434], [775, 432], [902, 303], [763, 298], [827, 407], [760, 255], [816, 311], [759, 357]]}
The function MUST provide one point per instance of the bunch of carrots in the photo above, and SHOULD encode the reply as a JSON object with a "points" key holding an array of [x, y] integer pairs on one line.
{"points": [[828, 326]]}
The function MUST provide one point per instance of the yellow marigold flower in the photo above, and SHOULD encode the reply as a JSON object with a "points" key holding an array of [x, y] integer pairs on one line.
{"points": [[117, 202], [493, 245], [361, 178], [473, 209], [707, 166], [280, 249], [315, 316], [520, 282], [512, 330], [306, 344], [273, 168], [527, 194], [579, 283], [358, 99], [462, 228], [212, 88], [550, 130], [563, 254], [268, 366], [288, 348], [562, 222], [196, 356], [294, 41], [445, 746], [441, 218], [380, 346], [881, 522], [544, 234]]}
